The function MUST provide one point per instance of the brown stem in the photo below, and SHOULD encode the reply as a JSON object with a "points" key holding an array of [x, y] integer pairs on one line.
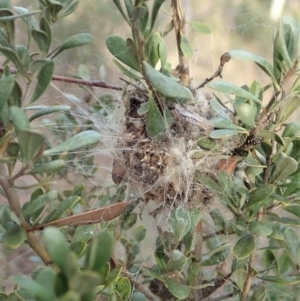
{"points": [[90, 83], [249, 278], [215, 234], [179, 24], [223, 60], [14, 204], [219, 298]]}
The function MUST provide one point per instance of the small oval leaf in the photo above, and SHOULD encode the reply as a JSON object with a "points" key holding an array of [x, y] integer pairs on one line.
{"points": [[79, 140], [244, 247]]}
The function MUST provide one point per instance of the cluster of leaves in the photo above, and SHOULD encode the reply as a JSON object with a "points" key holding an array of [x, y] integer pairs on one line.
{"points": [[273, 171], [142, 53], [271, 179], [20, 140], [25, 150], [82, 265], [93, 279]]}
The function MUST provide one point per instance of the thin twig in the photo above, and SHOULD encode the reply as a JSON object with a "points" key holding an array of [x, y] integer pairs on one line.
{"points": [[223, 60], [223, 297], [214, 234], [19, 173], [90, 83], [14, 205], [179, 24]]}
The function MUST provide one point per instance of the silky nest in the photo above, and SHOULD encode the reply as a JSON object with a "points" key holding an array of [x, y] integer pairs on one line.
{"points": [[164, 171]]}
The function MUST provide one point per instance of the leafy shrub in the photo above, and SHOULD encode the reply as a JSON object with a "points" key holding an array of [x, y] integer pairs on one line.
{"points": [[231, 165]]}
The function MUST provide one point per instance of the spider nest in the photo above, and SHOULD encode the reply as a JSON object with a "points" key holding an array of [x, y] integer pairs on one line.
{"points": [[164, 171]]}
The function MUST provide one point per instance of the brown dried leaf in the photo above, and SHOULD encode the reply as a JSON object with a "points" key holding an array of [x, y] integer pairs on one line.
{"points": [[228, 164], [87, 218]]}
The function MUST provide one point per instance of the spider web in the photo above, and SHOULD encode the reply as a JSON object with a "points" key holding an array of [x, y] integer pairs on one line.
{"points": [[235, 25]]}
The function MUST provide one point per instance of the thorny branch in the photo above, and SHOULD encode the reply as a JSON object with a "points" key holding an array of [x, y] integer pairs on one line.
{"points": [[90, 83]]}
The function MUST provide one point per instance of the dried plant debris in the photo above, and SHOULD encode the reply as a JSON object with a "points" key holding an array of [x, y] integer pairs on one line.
{"points": [[163, 171]]}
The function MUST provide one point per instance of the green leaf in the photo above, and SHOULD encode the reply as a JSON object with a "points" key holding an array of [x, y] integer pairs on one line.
{"points": [[244, 247], [141, 14], [69, 296], [166, 86], [69, 9], [15, 98], [49, 167], [221, 123], [200, 27], [193, 272], [152, 49], [14, 236], [286, 280], [14, 58], [246, 113], [291, 130], [6, 87], [261, 62], [45, 27], [226, 182], [284, 167], [62, 208], [32, 210], [130, 73], [36, 289], [77, 40], [177, 261], [185, 47], [292, 32], [79, 140], [47, 110], [219, 134], [294, 209], [84, 282], [220, 109], [41, 39], [289, 106], [138, 296], [156, 125], [83, 233], [118, 47], [143, 109], [216, 257], [100, 251], [44, 78], [239, 276], [209, 182], [8, 26], [123, 288], [260, 194], [119, 7], [234, 90], [261, 228], [156, 6], [177, 289], [57, 247], [54, 7], [271, 135], [24, 13], [31, 142]]}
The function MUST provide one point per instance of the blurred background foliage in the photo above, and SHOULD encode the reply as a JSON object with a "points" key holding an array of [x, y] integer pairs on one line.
{"points": [[235, 24]]}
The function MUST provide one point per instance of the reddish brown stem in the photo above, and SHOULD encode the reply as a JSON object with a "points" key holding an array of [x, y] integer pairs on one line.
{"points": [[90, 83]]}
